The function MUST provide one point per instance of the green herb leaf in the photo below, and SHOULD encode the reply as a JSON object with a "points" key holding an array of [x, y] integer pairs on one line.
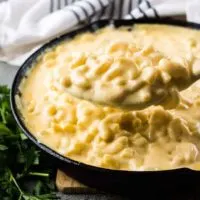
{"points": [[4, 130], [21, 162], [3, 147]]}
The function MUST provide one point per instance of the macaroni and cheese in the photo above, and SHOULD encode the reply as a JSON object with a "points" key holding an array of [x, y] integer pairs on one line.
{"points": [[74, 96]]}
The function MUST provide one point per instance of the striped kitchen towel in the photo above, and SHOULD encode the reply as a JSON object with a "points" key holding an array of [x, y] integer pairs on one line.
{"points": [[27, 24]]}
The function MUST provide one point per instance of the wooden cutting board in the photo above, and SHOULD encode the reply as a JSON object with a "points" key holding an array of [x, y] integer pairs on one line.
{"points": [[67, 184], [71, 188]]}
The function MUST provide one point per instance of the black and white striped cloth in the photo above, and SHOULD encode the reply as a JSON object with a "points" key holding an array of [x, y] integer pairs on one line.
{"points": [[26, 24], [101, 9]]}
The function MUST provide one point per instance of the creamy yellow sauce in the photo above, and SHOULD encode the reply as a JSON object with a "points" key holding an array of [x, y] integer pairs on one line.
{"points": [[64, 96]]}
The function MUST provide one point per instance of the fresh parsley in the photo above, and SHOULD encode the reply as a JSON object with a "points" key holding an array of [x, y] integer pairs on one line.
{"points": [[24, 170]]}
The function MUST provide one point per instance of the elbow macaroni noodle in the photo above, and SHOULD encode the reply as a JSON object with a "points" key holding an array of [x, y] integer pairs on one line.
{"points": [[69, 98]]}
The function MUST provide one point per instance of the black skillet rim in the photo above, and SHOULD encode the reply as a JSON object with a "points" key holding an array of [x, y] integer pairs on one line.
{"points": [[91, 27]]}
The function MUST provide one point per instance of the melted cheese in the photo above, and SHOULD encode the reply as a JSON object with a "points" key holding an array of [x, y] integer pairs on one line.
{"points": [[100, 67]]}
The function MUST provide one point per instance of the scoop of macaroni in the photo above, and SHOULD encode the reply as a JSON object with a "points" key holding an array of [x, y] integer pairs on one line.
{"points": [[69, 98], [121, 74]]}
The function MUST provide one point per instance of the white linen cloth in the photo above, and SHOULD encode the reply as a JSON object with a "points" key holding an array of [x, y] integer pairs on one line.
{"points": [[27, 24]]}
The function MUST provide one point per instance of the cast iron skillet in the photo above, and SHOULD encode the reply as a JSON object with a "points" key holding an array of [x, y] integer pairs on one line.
{"points": [[107, 179]]}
